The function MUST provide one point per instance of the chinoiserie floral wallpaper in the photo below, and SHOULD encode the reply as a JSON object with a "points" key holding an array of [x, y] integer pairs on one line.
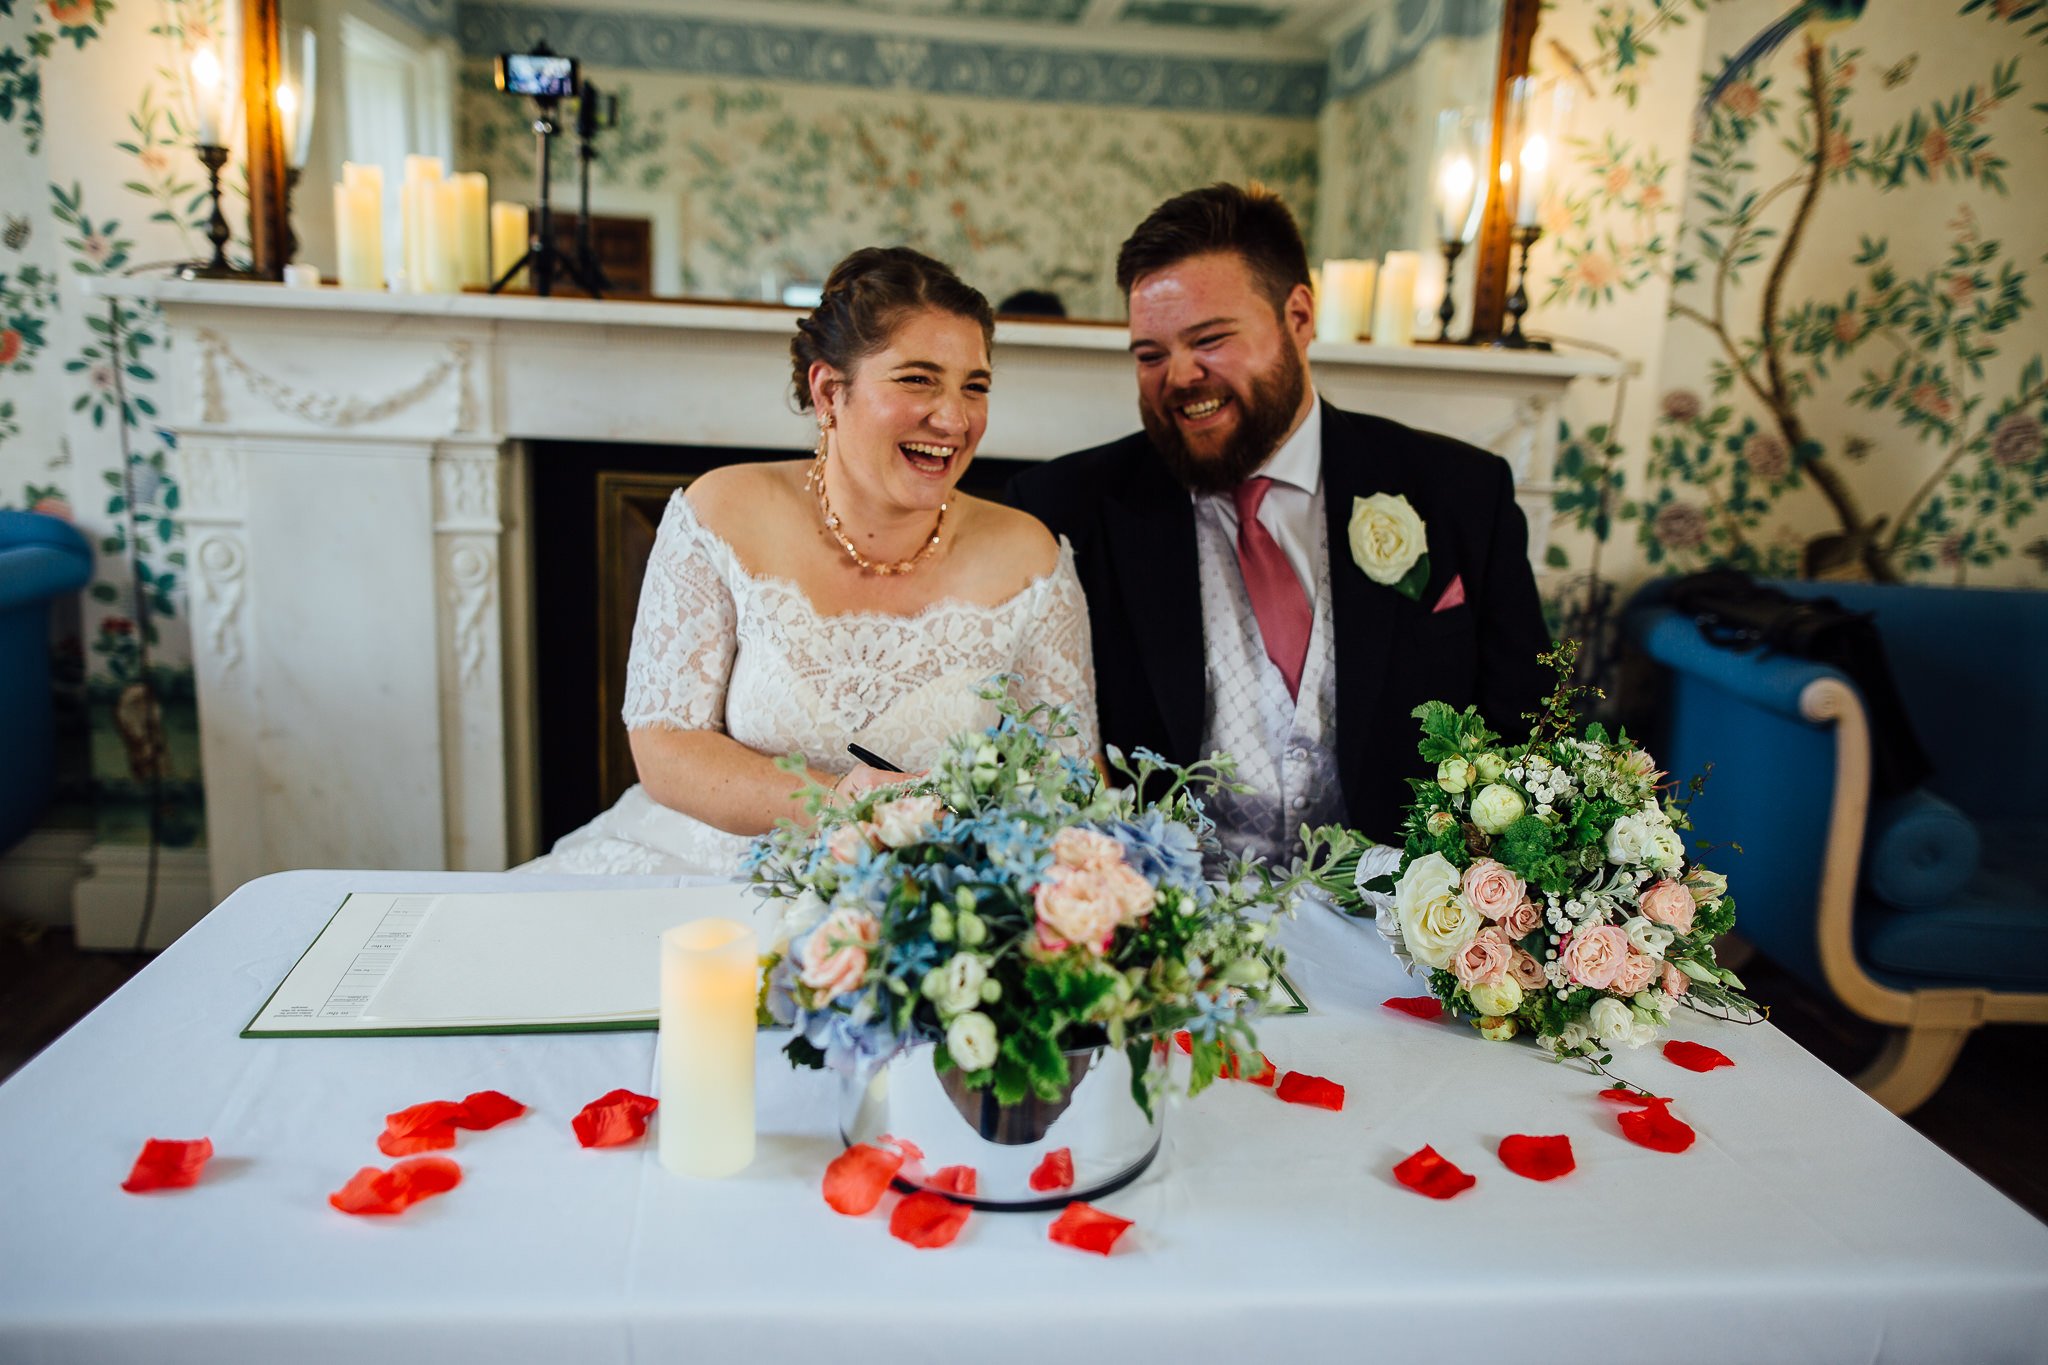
{"points": [[1821, 281]]}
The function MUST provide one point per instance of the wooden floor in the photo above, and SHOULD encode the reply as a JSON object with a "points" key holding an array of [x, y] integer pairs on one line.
{"points": [[1989, 1115]]}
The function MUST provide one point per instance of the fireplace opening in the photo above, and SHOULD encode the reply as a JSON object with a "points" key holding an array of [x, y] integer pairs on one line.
{"points": [[595, 509]]}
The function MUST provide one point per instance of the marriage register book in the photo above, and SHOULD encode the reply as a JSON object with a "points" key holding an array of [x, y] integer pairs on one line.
{"points": [[512, 962]]}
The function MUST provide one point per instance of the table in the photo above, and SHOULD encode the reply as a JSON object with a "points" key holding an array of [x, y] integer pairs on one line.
{"points": [[1806, 1224]]}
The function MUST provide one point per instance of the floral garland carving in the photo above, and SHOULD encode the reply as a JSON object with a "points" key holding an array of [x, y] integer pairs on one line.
{"points": [[329, 410]]}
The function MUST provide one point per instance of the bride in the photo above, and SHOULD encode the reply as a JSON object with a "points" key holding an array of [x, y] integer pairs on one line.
{"points": [[794, 607]]}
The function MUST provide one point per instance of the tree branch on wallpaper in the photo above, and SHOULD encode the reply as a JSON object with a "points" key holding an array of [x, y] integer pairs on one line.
{"points": [[1988, 476]]}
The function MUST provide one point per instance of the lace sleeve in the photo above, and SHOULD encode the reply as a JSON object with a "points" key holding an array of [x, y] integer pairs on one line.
{"points": [[685, 631], [1056, 661]]}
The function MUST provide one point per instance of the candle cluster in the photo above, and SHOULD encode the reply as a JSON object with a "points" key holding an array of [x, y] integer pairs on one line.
{"points": [[451, 237], [1356, 300]]}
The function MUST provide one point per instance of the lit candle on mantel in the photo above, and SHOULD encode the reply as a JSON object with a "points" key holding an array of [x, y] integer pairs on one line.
{"points": [[1393, 315], [359, 226], [1344, 301], [422, 173], [208, 98], [708, 975], [472, 229], [1533, 180], [440, 237], [508, 242]]}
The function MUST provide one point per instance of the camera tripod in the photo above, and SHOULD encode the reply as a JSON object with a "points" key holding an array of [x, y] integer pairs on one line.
{"points": [[543, 258]]}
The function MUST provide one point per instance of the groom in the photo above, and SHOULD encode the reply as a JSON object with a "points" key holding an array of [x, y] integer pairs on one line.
{"points": [[1271, 576]]}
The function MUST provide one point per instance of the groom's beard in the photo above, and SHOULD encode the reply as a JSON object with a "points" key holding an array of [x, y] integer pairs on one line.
{"points": [[1263, 418]]}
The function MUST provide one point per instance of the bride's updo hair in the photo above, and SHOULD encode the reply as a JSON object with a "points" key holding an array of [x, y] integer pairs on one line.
{"points": [[867, 296]]}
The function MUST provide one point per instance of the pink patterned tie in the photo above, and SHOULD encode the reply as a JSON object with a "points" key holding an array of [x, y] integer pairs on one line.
{"points": [[1279, 603]]}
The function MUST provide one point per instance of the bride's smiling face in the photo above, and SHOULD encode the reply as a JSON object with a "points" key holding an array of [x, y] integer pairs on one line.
{"points": [[907, 421]]}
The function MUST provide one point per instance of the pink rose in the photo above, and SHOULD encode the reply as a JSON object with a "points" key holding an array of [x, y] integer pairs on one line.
{"points": [[1076, 905], [835, 956], [1669, 904], [1086, 848], [1527, 972], [845, 843], [1133, 895], [1484, 959], [1521, 921], [1491, 889], [1595, 955], [1637, 971], [1676, 983]]}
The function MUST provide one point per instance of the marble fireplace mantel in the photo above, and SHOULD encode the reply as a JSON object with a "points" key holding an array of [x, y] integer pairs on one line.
{"points": [[352, 468]]}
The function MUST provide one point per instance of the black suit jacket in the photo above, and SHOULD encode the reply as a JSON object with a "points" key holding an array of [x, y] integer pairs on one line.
{"points": [[1133, 530]]}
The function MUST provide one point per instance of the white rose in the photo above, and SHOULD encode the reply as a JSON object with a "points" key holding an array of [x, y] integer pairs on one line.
{"points": [[956, 987], [1668, 850], [1499, 999], [1497, 807], [904, 820], [971, 1038], [1573, 1036], [1613, 1023], [797, 918], [1435, 920], [1387, 538], [1454, 775], [1647, 937], [1632, 842]]}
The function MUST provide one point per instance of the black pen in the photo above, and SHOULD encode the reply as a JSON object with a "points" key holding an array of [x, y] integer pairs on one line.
{"points": [[873, 760]]}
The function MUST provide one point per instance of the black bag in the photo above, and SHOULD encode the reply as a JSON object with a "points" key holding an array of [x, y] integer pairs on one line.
{"points": [[1736, 612]]}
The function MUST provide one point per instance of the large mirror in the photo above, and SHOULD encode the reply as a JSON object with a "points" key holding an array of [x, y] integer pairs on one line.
{"points": [[757, 141]]}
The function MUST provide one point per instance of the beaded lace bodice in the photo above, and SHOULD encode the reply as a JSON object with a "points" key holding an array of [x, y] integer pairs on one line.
{"points": [[716, 647]]}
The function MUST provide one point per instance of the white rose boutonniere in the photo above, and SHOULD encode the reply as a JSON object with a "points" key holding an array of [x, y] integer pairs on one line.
{"points": [[1390, 542]]}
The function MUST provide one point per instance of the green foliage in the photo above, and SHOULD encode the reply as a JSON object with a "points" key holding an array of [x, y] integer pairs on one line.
{"points": [[1448, 734]]}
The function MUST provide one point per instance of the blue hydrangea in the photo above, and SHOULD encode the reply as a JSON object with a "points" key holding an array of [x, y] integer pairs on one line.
{"points": [[1163, 852]]}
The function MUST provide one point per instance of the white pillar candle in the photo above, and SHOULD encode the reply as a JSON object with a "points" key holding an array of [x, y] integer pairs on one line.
{"points": [[708, 974], [421, 172], [1393, 314], [440, 238], [472, 229], [359, 226], [508, 242], [1344, 303]]}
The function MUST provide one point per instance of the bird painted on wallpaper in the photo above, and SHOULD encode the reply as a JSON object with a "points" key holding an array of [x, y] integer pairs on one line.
{"points": [[1819, 18]]}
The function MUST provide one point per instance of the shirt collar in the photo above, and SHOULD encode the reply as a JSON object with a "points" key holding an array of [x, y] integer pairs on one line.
{"points": [[1299, 461]]}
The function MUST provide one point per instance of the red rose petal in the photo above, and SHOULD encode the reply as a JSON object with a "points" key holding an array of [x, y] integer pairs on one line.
{"points": [[910, 1150], [1695, 1056], [953, 1180], [371, 1191], [929, 1220], [1267, 1073], [1184, 1041], [616, 1117], [1428, 1173], [488, 1109], [859, 1176], [1087, 1228], [1636, 1097], [1297, 1088], [1421, 1006], [422, 1118], [1538, 1158], [432, 1138], [1056, 1172], [1654, 1127], [168, 1164]]}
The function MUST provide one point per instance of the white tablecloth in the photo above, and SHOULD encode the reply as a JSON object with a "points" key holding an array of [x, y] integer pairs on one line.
{"points": [[1806, 1224]]}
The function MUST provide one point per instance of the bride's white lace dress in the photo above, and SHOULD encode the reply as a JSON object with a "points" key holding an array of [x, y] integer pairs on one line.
{"points": [[718, 648]]}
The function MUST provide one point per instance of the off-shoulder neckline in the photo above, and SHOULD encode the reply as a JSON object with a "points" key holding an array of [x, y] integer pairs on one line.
{"points": [[794, 589]]}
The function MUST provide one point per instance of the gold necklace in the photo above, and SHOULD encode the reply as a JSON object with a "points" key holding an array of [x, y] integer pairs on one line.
{"points": [[816, 479]]}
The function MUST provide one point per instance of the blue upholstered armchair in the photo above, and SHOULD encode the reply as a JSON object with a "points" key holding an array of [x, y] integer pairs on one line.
{"points": [[1924, 912], [41, 558]]}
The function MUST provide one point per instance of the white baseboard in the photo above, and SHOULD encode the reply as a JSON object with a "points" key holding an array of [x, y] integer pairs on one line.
{"points": [[107, 905], [37, 875]]}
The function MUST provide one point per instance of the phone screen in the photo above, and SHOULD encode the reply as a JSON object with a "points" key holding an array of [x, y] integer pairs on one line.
{"points": [[547, 77]]}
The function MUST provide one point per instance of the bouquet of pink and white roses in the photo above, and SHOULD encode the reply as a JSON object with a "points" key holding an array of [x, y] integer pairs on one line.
{"points": [[1544, 887]]}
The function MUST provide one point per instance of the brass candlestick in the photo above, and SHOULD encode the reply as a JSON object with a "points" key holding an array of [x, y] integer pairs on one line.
{"points": [[1518, 302], [1448, 309], [214, 158]]}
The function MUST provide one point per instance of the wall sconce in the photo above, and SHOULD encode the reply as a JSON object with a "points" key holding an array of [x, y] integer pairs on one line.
{"points": [[1460, 199], [1536, 125], [209, 62]]}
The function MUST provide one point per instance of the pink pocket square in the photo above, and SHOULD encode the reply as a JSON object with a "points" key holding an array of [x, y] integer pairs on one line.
{"points": [[1454, 595]]}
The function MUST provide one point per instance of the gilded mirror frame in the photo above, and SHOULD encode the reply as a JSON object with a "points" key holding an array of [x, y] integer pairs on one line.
{"points": [[266, 155]]}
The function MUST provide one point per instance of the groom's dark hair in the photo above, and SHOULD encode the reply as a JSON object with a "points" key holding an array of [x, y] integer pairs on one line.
{"points": [[1250, 220]]}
